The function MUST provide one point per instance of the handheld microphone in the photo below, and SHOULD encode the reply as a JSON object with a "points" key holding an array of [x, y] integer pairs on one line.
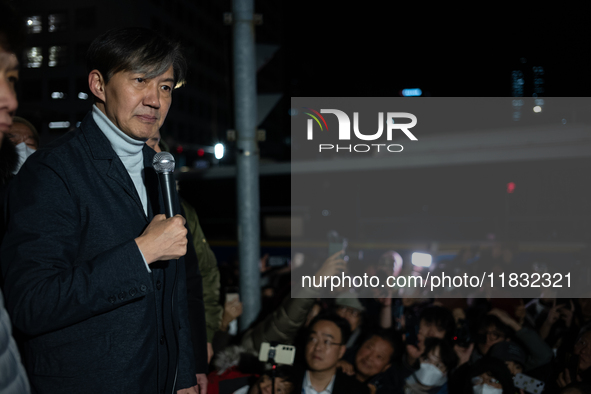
{"points": [[164, 166]]}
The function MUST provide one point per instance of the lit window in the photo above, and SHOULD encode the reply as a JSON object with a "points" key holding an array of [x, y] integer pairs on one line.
{"points": [[33, 57], [58, 56], [34, 24], [57, 22]]}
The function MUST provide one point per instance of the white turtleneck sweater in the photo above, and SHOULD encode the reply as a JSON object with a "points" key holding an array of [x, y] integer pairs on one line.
{"points": [[130, 153]]}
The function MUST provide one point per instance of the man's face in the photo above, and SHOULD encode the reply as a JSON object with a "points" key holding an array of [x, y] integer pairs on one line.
{"points": [[488, 378], [583, 350], [514, 367], [324, 348], [428, 330], [138, 106], [373, 357], [8, 78], [264, 386], [493, 336], [20, 132]]}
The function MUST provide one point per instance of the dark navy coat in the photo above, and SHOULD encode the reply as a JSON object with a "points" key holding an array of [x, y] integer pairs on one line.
{"points": [[93, 318]]}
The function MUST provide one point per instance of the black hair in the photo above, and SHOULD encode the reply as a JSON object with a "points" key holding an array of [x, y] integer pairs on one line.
{"points": [[492, 320], [387, 335], [12, 34], [341, 323], [18, 119], [441, 317], [135, 49], [581, 387], [497, 369], [448, 356]]}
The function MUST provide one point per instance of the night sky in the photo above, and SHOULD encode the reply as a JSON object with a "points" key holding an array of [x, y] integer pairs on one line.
{"points": [[379, 48]]}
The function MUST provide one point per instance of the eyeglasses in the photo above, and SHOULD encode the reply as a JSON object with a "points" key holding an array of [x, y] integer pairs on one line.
{"points": [[478, 380], [581, 343], [322, 343], [494, 335]]}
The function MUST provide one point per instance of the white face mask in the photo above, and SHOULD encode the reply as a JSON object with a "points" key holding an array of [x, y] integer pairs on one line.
{"points": [[430, 375], [486, 389], [23, 152]]}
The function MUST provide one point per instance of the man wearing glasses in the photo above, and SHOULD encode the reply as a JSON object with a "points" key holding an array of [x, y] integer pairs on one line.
{"points": [[325, 346]]}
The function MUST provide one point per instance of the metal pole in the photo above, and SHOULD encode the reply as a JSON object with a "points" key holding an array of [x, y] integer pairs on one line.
{"points": [[247, 181]]}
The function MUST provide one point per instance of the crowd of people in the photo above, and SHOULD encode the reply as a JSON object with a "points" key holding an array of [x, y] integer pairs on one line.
{"points": [[350, 344]]}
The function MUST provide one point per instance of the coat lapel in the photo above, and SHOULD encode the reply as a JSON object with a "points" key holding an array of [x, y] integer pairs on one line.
{"points": [[106, 160], [152, 184]]}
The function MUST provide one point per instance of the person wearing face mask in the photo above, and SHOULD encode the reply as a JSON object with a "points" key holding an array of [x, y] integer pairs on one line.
{"points": [[437, 360], [23, 131], [25, 138], [490, 376]]}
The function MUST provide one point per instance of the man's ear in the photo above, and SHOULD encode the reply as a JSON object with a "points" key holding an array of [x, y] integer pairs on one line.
{"points": [[96, 83], [342, 351]]}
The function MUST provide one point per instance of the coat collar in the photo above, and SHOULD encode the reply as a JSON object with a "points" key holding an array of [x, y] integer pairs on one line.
{"points": [[101, 151], [98, 143]]}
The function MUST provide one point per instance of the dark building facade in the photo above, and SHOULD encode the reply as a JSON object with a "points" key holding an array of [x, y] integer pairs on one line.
{"points": [[53, 91]]}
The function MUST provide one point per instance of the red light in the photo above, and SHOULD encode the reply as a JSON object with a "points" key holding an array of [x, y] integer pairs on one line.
{"points": [[179, 149], [510, 187], [455, 338], [200, 152]]}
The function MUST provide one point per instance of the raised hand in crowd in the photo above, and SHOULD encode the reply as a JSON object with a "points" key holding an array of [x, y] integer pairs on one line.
{"points": [[564, 378], [334, 265], [386, 309], [346, 367], [557, 312], [520, 312], [567, 313], [506, 318], [463, 353], [232, 310]]}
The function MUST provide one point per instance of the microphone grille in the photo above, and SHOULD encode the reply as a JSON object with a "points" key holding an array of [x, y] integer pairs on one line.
{"points": [[163, 162]]}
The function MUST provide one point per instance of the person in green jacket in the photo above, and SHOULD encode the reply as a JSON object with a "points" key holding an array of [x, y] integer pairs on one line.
{"points": [[207, 263]]}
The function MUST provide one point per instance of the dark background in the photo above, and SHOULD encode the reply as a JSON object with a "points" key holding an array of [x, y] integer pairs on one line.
{"points": [[327, 49]]}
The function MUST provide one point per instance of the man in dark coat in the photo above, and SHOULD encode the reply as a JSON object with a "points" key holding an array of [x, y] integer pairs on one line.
{"points": [[89, 261], [326, 345]]}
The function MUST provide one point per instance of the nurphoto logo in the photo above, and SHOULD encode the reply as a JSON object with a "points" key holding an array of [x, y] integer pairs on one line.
{"points": [[344, 133]]}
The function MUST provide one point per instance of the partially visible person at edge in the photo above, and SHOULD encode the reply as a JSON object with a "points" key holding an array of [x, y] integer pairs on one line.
{"points": [[25, 138], [13, 378]]}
